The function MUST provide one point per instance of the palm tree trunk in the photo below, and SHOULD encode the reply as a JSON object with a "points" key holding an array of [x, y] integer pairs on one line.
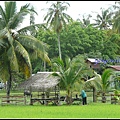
{"points": [[59, 46], [69, 97], [44, 66], [103, 98], [9, 82], [9, 86], [94, 94]]}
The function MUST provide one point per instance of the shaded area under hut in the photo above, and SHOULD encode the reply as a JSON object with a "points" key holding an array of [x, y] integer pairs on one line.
{"points": [[45, 84]]}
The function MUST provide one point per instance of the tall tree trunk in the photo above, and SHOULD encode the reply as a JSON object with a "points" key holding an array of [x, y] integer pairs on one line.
{"points": [[9, 86], [44, 66], [9, 81], [59, 46], [94, 94]]}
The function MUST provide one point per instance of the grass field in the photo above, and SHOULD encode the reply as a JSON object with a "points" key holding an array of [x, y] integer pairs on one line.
{"points": [[98, 110], [92, 110]]}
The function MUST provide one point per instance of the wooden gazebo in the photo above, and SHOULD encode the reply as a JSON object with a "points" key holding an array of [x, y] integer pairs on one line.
{"points": [[46, 85]]}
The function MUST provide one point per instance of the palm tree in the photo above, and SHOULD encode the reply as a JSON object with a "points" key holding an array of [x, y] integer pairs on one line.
{"points": [[94, 83], [70, 72], [104, 21], [101, 83], [57, 18], [105, 82], [115, 80], [14, 57], [85, 22], [116, 18]]}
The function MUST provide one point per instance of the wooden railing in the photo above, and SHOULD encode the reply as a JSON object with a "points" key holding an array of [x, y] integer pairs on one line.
{"points": [[114, 99], [15, 99]]}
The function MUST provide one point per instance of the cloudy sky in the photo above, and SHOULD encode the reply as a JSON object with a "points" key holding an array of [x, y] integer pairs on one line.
{"points": [[76, 8]]}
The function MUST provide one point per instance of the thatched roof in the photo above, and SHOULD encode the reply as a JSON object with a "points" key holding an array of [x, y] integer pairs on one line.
{"points": [[40, 81]]}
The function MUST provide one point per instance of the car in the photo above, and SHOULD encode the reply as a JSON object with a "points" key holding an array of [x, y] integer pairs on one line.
{"points": [[1, 85]]}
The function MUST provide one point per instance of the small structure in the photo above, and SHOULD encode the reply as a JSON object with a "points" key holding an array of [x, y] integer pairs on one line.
{"points": [[46, 85], [94, 63], [114, 67]]}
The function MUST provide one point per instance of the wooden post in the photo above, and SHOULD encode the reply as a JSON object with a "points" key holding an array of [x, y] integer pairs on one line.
{"points": [[94, 94], [24, 100]]}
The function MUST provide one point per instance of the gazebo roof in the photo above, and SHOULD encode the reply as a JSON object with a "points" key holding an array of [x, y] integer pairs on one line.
{"points": [[40, 81]]}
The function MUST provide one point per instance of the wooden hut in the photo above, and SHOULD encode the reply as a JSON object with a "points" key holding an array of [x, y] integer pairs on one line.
{"points": [[94, 63], [46, 85]]}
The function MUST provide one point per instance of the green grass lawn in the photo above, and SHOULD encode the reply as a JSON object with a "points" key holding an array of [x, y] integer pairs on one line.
{"points": [[98, 110], [92, 110]]}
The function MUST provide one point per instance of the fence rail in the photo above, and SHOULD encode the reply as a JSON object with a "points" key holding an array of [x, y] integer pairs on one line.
{"points": [[15, 99]]}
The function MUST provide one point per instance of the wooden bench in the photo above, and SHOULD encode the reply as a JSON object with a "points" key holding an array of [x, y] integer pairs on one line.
{"points": [[44, 101], [77, 99], [15, 99]]}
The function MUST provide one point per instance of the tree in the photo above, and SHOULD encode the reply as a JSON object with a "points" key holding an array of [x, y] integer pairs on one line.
{"points": [[14, 57], [101, 82], [94, 43], [115, 80], [104, 21], [105, 82], [95, 84], [116, 18], [85, 22], [57, 18], [111, 45], [70, 72]]}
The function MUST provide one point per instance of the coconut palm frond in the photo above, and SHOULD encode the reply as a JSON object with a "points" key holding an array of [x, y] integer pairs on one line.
{"points": [[22, 52], [106, 74], [3, 33], [29, 28], [35, 44], [10, 9], [32, 43], [57, 62], [24, 7], [4, 74], [106, 78], [13, 59], [94, 82], [16, 20], [44, 56], [2, 13]]}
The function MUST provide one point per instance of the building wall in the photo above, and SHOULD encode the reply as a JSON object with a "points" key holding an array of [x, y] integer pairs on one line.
{"points": [[93, 65]]}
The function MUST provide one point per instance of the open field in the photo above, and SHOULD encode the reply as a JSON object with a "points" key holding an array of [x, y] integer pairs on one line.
{"points": [[98, 110], [92, 110]]}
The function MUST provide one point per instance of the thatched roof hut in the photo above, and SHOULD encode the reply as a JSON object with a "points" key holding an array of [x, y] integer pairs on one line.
{"points": [[41, 81]]}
